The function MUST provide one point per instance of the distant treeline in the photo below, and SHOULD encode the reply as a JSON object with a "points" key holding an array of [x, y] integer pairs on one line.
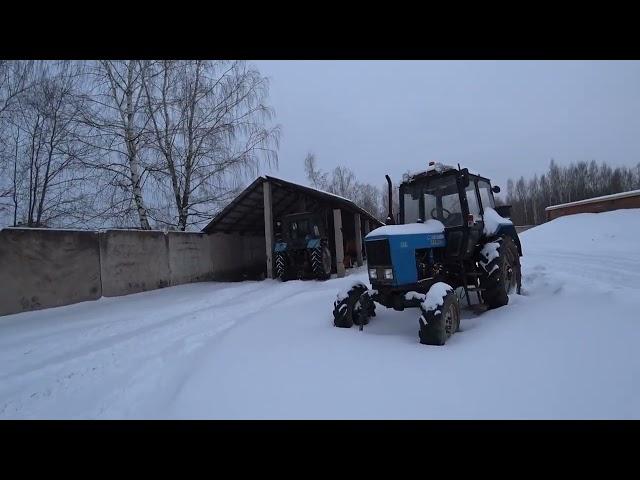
{"points": [[562, 184], [342, 181]]}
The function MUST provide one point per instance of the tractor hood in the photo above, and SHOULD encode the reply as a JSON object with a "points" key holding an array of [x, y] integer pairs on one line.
{"points": [[430, 226], [395, 246], [411, 235], [297, 245]]}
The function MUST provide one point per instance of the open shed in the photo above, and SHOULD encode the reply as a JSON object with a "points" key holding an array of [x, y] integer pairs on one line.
{"points": [[244, 232]]}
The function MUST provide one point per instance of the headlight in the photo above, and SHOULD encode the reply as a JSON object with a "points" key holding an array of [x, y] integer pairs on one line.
{"points": [[373, 273], [388, 274]]}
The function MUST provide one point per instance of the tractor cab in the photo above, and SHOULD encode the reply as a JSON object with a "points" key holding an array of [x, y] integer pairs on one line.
{"points": [[297, 229], [452, 196]]}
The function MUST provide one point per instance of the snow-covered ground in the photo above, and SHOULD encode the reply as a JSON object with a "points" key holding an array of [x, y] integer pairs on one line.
{"points": [[568, 348]]}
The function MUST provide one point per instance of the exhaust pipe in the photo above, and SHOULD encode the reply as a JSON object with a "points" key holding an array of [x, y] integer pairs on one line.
{"points": [[390, 220]]}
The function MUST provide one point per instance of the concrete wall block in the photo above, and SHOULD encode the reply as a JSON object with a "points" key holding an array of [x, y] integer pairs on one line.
{"points": [[42, 268], [190, 257], [133, 261]]}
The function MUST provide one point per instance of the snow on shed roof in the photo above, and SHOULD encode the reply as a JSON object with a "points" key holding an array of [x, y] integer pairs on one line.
{"points": [[631, 193], [245, 213]]}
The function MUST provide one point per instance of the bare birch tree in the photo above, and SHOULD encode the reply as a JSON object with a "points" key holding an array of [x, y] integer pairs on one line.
{"points": [[316, 177], [15, 80], [207, 123], [343, 182], [47, 160], [117, 122]]}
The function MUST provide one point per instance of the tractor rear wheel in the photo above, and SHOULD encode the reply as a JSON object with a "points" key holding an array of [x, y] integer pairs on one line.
{"points": [[502, 274], [321, 262], [438, 324], [280, 270]]}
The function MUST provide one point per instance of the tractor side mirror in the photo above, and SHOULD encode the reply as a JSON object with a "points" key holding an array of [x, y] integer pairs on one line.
{"points": [[495, 189]]}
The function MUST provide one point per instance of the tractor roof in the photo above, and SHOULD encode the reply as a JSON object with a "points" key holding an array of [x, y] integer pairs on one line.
{"points": [[436, 170]]}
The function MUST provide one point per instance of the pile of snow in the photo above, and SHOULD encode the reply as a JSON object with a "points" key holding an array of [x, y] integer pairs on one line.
{"points": [[430, 226], [595, 233], [439, 167], [435, 296], [433, 299], [490, 252], [566, 349], [493, 220]]}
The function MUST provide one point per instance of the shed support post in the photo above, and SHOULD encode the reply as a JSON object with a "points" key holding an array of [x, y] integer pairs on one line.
{"points": [[358, 226], [367, 229], [268, 227], [337, 227]]}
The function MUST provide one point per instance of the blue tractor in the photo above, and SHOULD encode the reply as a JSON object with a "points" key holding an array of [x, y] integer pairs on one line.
{"points": [[450, 240], [302, 248]]}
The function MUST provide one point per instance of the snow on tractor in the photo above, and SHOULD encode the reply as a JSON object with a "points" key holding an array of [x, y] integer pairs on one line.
{"points": [[450, 238], [302, 251]]}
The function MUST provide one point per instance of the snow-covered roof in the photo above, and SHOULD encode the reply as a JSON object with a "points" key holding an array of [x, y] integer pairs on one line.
{"points": [[245, 213], [325, 193], [440, 167], [311, 188], [631, 193]]}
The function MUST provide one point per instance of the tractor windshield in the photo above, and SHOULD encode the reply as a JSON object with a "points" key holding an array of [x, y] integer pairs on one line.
{"points": [[303, 228], [437, 198]]}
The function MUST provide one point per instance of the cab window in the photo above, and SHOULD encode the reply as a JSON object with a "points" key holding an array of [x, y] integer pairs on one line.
{"points": [[299, 229], [486, 196], [437, 198], [472, 201], [411, 208]]}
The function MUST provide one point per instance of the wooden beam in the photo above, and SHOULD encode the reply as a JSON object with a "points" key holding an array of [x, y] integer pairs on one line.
{"points": [[356, 217], [268, 227], [337, 227]]}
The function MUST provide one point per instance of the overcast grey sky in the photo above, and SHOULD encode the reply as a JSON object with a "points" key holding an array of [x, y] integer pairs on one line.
{"points": [[499, 118]]}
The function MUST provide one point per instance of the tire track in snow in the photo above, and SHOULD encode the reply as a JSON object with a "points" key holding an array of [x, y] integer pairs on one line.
{"points": [[195, 330], [127, 306]]}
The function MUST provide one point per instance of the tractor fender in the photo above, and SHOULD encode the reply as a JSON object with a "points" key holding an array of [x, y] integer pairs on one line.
{"points": [[509, 230], [280, 247], [313, 243]]}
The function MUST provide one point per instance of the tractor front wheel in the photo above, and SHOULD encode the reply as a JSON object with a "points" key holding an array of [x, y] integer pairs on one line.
{"points": [[364, 309], [439, 323], [343, 307]]}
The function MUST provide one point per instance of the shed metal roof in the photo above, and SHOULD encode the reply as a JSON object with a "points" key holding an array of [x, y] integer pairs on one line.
{"points": [[246, 212], [615, 196]]}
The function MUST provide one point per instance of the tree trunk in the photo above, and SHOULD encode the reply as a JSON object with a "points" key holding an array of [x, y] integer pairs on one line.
{"points": [[134, 164], [137, 189]]}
